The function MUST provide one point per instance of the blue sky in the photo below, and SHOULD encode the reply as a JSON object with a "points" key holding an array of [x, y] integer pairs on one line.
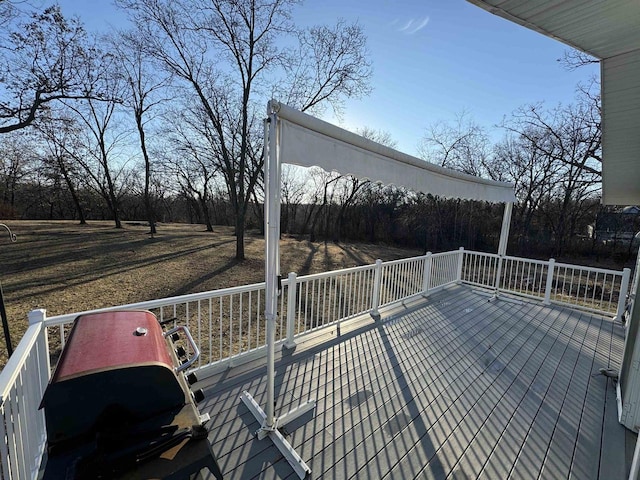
{"points": [[432, 59]]}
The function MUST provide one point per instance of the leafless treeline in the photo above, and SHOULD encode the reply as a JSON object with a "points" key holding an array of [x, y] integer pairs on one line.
{"points": [[162, 122]]}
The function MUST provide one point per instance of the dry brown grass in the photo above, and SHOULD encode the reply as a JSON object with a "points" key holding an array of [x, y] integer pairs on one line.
{"points": [[65, 267]]}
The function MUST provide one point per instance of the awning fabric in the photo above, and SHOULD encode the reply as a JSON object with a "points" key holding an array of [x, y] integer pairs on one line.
{"points": [[307, 141]]}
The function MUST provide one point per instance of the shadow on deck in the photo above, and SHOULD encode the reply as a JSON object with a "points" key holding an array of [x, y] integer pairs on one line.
{"points": [[451, 386]]}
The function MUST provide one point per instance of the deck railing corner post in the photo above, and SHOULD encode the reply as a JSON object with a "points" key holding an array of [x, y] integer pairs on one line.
{"points": [[37, 316], [460, 264], [549, 285], [291, 309], [43, 372], [426, 278], [377, 281], [622, 296]]}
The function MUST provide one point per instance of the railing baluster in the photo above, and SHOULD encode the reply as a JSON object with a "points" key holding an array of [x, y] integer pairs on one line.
{"points": [[199, 332], [291, 309], [4, 445], [210, 330], [220, 317], [377, 287], [622, 297]]}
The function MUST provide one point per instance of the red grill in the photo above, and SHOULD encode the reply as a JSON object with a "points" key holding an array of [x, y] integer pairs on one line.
{"points": [[119, 405]]}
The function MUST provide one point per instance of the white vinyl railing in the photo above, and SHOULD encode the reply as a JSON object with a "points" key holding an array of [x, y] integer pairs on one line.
{"points": [[224, 323], [316, 301], [22, 384], [228, 324], [596, 290]]}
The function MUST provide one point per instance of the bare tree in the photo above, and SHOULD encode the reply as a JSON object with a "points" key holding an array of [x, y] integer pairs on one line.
{"points": [[462, 145], [329, 64], [60, 143], [572, 59], [16, 163], [43, 59], [191, 160], [103, 159], [564, 143], [293, 188], [224, 51], [144, 83]]}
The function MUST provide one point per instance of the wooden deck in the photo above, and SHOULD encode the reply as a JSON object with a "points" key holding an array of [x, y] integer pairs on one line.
{"points": [[452, 386]]}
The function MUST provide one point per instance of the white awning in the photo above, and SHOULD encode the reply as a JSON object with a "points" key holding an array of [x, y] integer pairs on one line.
{"points": [[307, 141]]}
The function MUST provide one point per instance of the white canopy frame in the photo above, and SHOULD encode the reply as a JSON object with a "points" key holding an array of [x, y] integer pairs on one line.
{"points": [[297, 138]]}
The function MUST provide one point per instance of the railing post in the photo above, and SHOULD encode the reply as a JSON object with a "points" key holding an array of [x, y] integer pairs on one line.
{"points": [[291, 310], [622, 296], [38, 317], [549, 285], [460, 263], [426, 277], [377, 280]]}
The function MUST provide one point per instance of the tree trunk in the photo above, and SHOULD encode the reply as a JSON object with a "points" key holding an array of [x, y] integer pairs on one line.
{"points": [[147, 173], [205, 212], [240, 218], [74, 194]]}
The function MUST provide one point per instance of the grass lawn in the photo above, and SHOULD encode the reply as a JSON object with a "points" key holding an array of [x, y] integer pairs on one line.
{"points": [[64, 267]]}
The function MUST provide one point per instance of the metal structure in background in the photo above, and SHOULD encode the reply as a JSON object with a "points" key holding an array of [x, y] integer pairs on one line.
{"points": [[3, 312]]}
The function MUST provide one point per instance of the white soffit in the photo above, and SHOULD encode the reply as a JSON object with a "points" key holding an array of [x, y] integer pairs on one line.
{"points": [[610, 31], [307, 141], [602, 28]]}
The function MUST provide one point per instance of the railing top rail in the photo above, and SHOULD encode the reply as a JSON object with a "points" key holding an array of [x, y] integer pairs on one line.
{"points": [[444, 254], [590, 269], [194, 297], [527, 260], [484, 254], [403, 260], [11, 370], [546, 262], [335, 273]]}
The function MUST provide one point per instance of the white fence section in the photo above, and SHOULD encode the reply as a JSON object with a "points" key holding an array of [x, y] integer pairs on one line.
{"points": [[224, 323], [229, 324], [325, 298], [22, 384], [445, 269], [401, 279], [596, 290]]}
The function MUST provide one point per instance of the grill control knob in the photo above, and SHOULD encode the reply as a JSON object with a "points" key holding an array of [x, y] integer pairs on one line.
{"points": [[198, 395], [192, 378]]}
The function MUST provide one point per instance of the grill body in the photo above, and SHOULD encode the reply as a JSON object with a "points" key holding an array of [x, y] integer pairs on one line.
{"points": [[115, 402]]}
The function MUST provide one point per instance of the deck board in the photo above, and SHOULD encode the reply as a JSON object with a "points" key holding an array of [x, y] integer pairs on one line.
{"points": [[532, 453], [452, 386], [476, 401]]}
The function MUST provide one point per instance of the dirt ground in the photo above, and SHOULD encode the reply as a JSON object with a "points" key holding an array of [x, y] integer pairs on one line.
{"points": [[65, 267]]}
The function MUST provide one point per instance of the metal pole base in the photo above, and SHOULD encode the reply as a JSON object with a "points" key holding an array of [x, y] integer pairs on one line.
{"points": [[298, 465], [495, 296]]}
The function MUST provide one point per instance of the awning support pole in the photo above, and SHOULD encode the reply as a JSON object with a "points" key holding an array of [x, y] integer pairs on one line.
{"points": [[502, 252], [269, 422], [504, 232]]}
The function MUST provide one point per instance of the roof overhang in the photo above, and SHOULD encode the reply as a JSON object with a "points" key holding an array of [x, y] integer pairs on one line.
{"points": [[609, 30]]}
